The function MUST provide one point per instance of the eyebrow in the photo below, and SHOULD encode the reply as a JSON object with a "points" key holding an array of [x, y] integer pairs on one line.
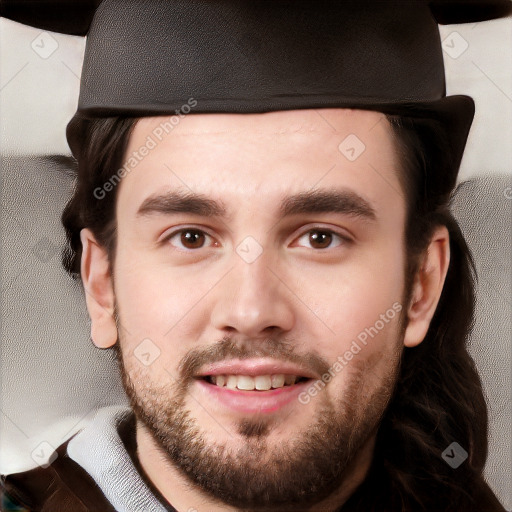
{"points": [[181, 202], [314, 201], [345, 202]]}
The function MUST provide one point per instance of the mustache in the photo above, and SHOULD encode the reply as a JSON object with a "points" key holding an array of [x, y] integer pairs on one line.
{"points": [[230, 347]]}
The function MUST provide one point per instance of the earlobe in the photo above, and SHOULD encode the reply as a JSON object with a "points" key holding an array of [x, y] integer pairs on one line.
{"points": [[427, 288], [99, 293]]}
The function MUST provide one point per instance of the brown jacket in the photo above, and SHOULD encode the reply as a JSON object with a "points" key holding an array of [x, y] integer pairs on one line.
{"points": [[65, 486], [61, 487]]}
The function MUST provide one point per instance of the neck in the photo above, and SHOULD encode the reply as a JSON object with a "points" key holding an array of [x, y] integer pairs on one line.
{"points": [[185, 497]]}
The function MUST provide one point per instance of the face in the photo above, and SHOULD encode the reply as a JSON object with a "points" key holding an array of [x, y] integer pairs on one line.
{"points": [[259, 285]]}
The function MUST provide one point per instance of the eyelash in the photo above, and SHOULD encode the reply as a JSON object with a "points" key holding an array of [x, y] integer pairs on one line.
{"points": [[342, 238], [168, 238]]}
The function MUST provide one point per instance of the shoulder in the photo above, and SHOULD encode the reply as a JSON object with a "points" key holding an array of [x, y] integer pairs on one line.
{"points": [[64, 486]]}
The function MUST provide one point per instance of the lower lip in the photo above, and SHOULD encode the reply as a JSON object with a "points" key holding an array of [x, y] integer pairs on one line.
{"points": [[249, 402]]}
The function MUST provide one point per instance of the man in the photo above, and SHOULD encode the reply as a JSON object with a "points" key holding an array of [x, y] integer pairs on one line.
{"points": [[272, 257]]}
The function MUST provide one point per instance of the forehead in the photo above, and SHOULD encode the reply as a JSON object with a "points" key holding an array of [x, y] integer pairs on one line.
{"points": [[273, 154], [326, 120]]}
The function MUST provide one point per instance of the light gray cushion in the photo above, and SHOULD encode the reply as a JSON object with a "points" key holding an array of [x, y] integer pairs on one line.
{"points": [[51, 371], [483, 207]]}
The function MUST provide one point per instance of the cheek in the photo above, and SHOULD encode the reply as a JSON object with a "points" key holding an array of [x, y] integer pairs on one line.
{"points": [[346, 300], [157, 301]]}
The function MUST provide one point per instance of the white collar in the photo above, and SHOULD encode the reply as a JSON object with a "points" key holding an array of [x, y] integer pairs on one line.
{"points": [[101, 452]]}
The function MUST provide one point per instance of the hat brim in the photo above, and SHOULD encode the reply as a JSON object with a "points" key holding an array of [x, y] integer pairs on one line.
{"points": [[451, 118], [453, 114]]}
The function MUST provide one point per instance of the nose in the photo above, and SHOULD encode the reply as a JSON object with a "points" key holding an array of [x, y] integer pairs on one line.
{"points": [[253, 300]]}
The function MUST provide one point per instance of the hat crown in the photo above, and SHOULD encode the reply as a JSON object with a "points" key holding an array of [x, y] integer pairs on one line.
{"points": [[154, 55]]}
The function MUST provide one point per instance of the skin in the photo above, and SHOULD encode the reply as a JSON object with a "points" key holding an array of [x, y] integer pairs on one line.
{"points": [[313, 300]]}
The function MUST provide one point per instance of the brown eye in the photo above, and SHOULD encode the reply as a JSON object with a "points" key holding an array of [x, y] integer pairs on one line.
{"points": [[189, 239], [320, 239], [192, 239]]}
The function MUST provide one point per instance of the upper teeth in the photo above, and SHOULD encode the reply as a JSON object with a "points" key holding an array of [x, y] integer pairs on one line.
{"points": [[259, 382]]}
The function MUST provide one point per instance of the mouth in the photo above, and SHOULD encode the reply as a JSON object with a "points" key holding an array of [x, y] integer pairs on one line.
{"points": [[254, 383], [253, 386]]}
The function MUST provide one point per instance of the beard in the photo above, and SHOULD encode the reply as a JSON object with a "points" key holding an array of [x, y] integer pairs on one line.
{"points": [[309, 466]]}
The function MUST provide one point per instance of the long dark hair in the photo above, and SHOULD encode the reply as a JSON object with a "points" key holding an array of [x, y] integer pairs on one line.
{"points": [[438, 398]]}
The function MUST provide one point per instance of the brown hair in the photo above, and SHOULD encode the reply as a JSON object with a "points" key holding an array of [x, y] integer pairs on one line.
{"points": [[101, 157], [438, 397]]}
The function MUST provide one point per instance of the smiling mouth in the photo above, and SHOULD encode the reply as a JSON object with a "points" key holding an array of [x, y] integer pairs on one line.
{"points": [[254, 383]]}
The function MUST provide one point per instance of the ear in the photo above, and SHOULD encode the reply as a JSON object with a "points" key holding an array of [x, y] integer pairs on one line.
{"points": [[99, 291], [427, 287]]}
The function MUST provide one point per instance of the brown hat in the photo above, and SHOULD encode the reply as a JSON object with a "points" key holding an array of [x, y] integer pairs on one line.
{"points": [[150, 57]]}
